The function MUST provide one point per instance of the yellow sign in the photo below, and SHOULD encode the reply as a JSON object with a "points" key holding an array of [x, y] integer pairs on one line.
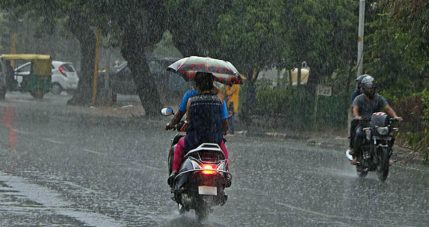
{"points": [[305, 73]]}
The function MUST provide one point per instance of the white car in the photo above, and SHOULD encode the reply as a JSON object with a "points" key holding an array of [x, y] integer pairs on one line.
{"points": [[64, 76]]}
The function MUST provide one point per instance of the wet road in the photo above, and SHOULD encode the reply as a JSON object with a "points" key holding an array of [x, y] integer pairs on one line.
{"points": [[60, 166]]}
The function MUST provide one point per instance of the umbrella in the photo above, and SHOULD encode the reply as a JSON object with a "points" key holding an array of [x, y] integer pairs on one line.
{"points": [[223, 71]]}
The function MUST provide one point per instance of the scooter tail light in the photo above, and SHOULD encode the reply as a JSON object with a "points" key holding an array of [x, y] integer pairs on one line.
{"points": [[209, 169]]}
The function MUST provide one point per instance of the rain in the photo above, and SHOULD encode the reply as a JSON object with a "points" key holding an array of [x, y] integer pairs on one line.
{"points": [[293, 113]]}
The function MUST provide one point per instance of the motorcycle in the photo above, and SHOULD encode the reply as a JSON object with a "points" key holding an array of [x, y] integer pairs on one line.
{"points": [[203, 176], [376, 149]]}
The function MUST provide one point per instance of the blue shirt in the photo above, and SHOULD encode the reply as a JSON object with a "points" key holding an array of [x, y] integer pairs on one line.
{"points": [[193, 92]]}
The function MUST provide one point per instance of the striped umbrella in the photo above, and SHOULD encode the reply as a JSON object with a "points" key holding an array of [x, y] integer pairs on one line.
{"points": [[223, 71]]}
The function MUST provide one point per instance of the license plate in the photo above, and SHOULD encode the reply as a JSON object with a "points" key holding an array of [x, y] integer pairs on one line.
{"points": [[207, 190]]}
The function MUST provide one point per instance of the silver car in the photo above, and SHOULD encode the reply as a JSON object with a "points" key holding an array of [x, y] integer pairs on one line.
{"points": [[64, 76]]}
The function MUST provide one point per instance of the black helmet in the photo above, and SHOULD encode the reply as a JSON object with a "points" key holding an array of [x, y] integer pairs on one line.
{"points": [[368, 86]]}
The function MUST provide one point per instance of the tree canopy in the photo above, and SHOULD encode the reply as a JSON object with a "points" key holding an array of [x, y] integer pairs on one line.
{"points": [[253, 35]]}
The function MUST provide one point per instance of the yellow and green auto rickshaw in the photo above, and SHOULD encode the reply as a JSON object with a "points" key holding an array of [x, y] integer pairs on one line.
{"points": [[38, 82]]}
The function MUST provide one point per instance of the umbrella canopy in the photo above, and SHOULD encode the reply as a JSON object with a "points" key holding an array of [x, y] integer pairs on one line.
{"points": [[223, 71]]}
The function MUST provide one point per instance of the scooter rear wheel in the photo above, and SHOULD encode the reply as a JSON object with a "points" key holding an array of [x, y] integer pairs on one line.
{"points": [[202, 213]]}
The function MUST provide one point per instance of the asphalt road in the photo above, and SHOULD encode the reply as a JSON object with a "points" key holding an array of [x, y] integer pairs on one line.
{"points": [[67, 166]]}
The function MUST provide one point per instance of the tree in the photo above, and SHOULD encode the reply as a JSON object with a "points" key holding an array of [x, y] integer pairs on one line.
{"points": [[398, 46], [193, 25], [79, 23], [137, 24], [251, 36], [141, 25], [322, 34]]}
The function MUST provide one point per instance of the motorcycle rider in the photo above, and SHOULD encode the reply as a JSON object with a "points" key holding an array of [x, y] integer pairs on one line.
{"points": [[364, 105], [207, 118], [354, 122], [358, 89]]}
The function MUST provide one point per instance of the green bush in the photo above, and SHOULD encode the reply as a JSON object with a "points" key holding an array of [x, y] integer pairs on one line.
{"points": [[414, 129], [294, 108], [425, 120]]}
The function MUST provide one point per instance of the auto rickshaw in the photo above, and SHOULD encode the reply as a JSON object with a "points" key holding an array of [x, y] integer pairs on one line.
{"points": [[38, 83]]}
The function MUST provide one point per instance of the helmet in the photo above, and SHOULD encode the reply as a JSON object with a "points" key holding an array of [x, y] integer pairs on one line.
{"points": [[368, 86], [359, 79]]}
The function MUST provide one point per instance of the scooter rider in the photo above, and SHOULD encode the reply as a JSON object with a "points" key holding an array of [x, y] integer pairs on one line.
{"points": [[364, 105], [207, 118]]}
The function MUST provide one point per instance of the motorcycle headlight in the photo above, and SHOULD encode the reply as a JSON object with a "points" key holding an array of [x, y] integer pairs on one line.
{"points": [[383, 131]]}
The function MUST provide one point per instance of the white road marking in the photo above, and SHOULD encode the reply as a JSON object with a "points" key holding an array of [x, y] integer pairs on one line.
{"points": [[52, 141], [22, 132], [50, 201], [94, 152]]}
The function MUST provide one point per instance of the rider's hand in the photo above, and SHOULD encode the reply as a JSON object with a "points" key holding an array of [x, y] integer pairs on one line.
{"points": [[169, 126], [184, 127], [358, 118]]}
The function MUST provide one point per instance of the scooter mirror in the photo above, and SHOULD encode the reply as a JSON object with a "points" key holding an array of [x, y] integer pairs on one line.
{"points": [[167, 111]]}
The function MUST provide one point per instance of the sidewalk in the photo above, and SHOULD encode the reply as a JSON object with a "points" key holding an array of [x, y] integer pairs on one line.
{"points": [[127, 106]]}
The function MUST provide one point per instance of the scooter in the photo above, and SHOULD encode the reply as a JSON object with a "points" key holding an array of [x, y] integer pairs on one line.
{"points": [[203, 176]]}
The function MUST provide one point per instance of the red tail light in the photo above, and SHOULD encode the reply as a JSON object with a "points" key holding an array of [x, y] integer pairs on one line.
{"points": [[62, 71], [209, 169]]}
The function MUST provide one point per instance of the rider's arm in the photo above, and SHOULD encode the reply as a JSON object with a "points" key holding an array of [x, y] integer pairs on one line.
{"points": [[224, 126], [225, 115], [182, 109], [184, 101], [355, 107], [188, 106], [176, 119], [355, 112], [389, 110]]}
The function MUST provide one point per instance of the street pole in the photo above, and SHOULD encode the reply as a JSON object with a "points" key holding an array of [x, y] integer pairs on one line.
{"points": [[360, 51], [360, 37]]}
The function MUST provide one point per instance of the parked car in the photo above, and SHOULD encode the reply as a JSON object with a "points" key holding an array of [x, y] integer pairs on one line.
{"points": [[64, 76], [122, 82]]}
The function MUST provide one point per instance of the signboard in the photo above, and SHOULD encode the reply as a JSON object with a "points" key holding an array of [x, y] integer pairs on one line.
{"points": [[324, 90], [305, 73]]}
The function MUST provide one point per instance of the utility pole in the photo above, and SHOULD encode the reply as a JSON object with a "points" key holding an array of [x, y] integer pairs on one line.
{"points": [[360, 51], [360, 37]]}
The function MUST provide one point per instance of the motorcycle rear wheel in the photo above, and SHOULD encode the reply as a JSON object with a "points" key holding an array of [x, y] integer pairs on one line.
{"points": [[383, 166]]}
